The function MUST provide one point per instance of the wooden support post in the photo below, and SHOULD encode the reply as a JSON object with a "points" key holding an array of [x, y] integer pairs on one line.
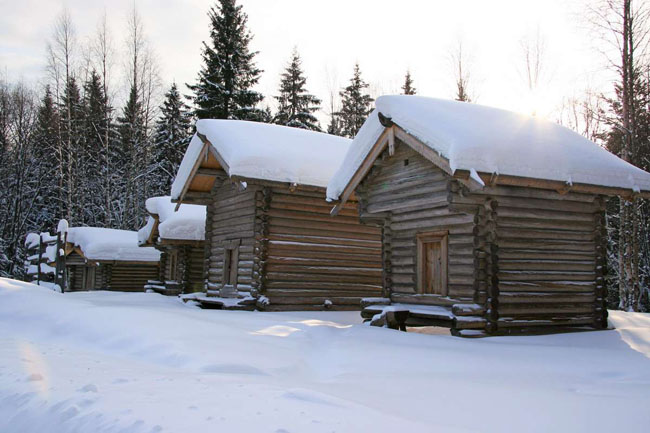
{"points": [[40, 257], [58, 263], [261, 229], [600, 307], [187, 266], [207, 251], [491, 249], [386, 251]]}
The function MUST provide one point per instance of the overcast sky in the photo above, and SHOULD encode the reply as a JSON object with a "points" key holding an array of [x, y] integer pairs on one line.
{"points": [[386, 37]]}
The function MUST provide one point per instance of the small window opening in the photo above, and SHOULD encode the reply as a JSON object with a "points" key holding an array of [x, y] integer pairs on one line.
{"points": [[230, 266], [406, 162]]}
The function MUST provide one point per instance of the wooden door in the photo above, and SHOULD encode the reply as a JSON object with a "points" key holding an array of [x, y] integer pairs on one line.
{"points": [[433, 267], [432, 263], [90, 278]]}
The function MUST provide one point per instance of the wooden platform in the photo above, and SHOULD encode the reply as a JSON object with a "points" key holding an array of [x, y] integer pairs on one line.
{"points": [[399, 316], [166, 289], [217, 303]]}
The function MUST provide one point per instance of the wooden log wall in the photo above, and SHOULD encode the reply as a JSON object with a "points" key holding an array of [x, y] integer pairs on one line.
{"points": [[75, 265], [260, 248], [545, 264], [312, 257], [128, 277], [164, 263], [232, 218], [191, 268], [412, 195]]}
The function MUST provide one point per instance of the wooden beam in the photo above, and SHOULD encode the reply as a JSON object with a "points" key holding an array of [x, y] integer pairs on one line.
{"points": [[209, 171], [437, 159], [214, 152], [424, 150], [362, 170], [557, 185], [278, 184], [181, 242], [195, 167], [198, 197]]}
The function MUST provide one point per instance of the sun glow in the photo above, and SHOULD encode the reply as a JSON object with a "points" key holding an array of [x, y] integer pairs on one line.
{"points": [[276, 331], [36, 368]]}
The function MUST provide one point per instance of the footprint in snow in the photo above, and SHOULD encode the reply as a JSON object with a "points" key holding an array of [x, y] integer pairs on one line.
{"points": [[85, 403], [120, 380], [232, 369], [34, 377], [88, 388]]}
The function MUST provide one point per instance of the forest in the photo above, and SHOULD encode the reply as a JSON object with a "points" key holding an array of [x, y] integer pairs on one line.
{"points": [[71, 148]]}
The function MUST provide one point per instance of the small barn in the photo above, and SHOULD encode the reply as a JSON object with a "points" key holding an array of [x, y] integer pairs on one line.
{"points": [[179, 235], [106, 259], [491, 221], [270, 239]]}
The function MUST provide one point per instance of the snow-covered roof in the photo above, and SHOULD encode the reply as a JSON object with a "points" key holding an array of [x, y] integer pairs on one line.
{"points": [[110, 244], [187, 223], [265, 151], [482, 139]]}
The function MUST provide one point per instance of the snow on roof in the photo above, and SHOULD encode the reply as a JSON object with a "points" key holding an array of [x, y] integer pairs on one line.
{"points": [[490, 140], [188, 223], [32, 240], [110, 244], [265, 151]]}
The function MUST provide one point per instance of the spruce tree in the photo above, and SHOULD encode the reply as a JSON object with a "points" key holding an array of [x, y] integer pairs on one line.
{"points": [[407, 88], [171, 138], [334, 127], [132, 140], [45, 148], [224, 89], [356, 105], [93, 148], [70, 154], [295, 105]]}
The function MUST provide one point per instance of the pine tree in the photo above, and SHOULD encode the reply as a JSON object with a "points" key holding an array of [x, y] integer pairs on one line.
{"points": [[295, 105], [356, 105], [171, 138], [407, 88], [225, 84]]}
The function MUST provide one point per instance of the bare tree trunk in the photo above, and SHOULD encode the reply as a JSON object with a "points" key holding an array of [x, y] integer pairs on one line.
{"points": [[61, 52]]}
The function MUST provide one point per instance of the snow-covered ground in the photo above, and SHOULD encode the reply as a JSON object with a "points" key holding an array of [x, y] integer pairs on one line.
{"points": [[140, 362]]}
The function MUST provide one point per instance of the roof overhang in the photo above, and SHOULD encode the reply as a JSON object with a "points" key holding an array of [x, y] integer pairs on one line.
{"points": [[387, 140], [208, 167], [150, 242], [393, 131]]}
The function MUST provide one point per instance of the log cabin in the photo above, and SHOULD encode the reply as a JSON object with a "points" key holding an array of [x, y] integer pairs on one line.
{"points": [[492, 222], [179, 235], [104, 259], [270, 240]]}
